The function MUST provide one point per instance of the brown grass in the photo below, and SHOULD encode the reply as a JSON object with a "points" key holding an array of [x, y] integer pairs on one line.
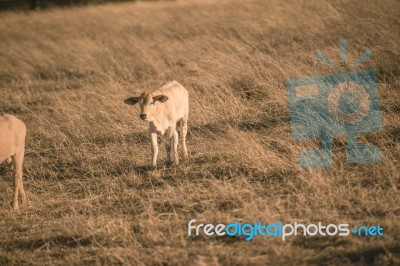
{"points": [[91, 199]]}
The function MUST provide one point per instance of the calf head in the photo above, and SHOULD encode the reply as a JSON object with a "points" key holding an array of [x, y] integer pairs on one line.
{"points": [[147, 104]]}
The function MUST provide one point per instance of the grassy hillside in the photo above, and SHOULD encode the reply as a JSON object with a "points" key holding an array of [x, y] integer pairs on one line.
{"points": [[91, 198]]}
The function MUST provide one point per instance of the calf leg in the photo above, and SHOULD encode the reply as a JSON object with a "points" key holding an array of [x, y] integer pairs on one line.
{"points": [[175, 147], [168, 149], [9, 162], [21, 187], [184, 129], [154, 148], [169, 134], [18, 186]]}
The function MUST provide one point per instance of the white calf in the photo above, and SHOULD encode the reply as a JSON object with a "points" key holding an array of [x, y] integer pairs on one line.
{"points": [[12, 150], [165, 109]]}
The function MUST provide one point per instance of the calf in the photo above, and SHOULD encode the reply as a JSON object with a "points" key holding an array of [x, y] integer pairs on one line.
{"points": [[12, 150], [165, 109]]}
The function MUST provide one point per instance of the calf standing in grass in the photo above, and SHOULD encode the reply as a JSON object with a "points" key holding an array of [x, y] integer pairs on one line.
{"points": [[12, 150], [165, 109]]}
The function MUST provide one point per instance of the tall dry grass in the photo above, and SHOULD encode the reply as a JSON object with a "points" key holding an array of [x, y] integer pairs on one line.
{"points": [[90, 197]]}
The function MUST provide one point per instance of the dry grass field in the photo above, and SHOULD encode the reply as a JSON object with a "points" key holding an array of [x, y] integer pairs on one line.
{"points": [[91, 196]]}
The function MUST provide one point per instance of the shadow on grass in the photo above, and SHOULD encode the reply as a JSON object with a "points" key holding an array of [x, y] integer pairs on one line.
{"points": [[3, 170], [221, 239], [370, 255], [246, 125], [135, 137], [367, 256], [222, 168], [33, 244], [164, 175], [144, 169]]}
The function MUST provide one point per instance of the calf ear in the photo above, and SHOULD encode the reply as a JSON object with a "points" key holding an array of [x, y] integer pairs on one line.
{"points": [[161, 98], [132, 100]]}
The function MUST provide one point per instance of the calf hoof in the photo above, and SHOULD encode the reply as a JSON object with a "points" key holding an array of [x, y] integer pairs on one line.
{"points": [[14, 205]]}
